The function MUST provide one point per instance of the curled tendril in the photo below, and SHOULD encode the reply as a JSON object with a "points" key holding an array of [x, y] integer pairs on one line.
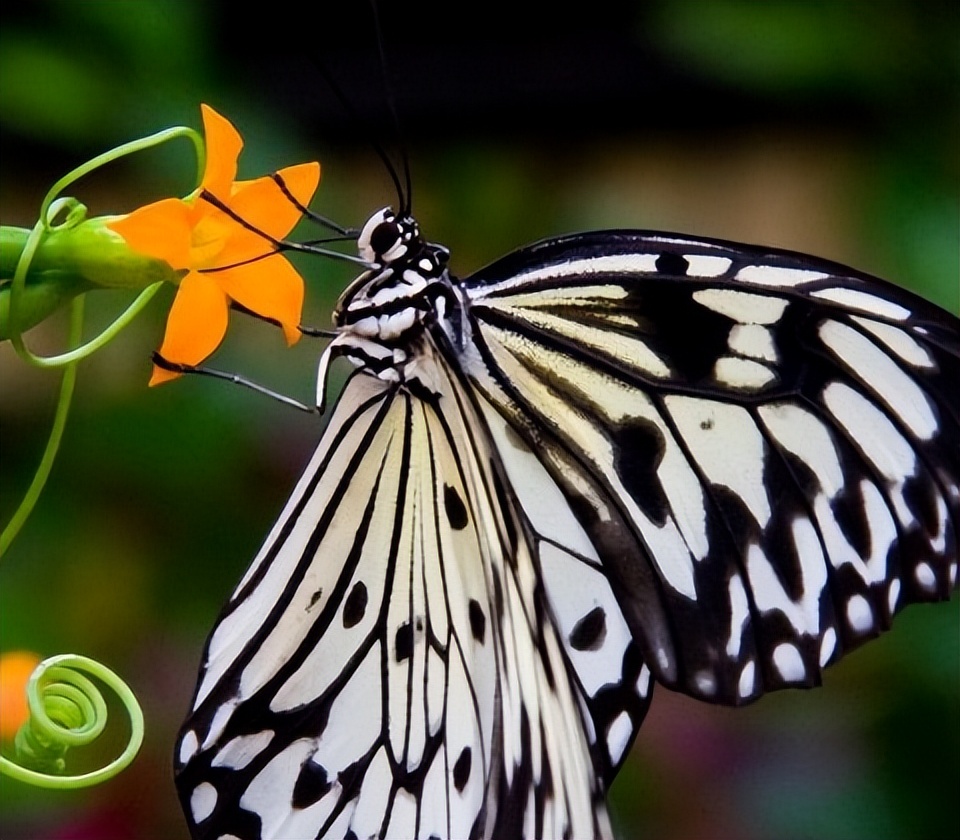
{"points": [[68, 710]]}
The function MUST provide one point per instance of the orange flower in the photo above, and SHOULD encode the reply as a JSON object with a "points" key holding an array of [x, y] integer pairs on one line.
{"points": [[224, 259], [15, 669]]}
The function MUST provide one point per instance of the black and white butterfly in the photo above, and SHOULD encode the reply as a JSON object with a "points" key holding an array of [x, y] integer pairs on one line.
{"points": [[605, 460]]}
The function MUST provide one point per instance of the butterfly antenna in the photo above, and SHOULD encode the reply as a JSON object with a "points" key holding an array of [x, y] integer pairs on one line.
{"points": [[390, 96], [323, 221], [352, 113]]}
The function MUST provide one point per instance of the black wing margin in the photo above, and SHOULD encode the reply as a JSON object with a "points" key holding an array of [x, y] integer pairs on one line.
{"points": [[764, 447]]}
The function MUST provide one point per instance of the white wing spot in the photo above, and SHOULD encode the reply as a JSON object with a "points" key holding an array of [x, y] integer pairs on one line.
{"points": [[863, 302], [702, 265], [897, 341], [202, 801], [540, 495], [754, 341], [587, 615], [618, 736], [188, 746], [828, 644], [939, 544], [739, 613], [743, 307], [772, 275], [742, 373], [643, 682], [220, 719], [706, 683], [925, 576], [859, 614], [789, 663], [953, 575], [242, 750], [893, 595], [747, 682]]}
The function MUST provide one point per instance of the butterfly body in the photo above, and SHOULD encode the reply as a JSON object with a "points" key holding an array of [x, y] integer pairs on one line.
{"points": [[607, 458]]}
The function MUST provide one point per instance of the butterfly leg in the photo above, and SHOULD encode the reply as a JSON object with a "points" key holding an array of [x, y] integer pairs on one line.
{"points": [[236, 379]]}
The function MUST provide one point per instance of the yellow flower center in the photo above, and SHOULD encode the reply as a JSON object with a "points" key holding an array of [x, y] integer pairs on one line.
{"points": [[208, 238]]}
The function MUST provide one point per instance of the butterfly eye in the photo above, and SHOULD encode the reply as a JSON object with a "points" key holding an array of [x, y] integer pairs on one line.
{"points": [[378, 235], [384, 237]]}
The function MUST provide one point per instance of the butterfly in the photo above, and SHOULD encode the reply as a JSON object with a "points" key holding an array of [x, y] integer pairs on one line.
{"points": [[606, 460]]}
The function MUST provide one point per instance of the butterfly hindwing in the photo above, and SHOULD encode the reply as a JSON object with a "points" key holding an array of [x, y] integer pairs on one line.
{"points": [[395, 663], [762, 447]]}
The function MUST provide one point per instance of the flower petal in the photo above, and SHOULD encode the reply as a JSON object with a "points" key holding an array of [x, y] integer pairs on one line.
{"points": [[262, 203], [223, 148], [195, 326], [15, 670], [161, 230], [271, 288], [161, 375]]}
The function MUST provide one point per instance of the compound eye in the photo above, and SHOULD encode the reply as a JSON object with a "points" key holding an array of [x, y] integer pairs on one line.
{"points": [[381, 219], [384, 237]]}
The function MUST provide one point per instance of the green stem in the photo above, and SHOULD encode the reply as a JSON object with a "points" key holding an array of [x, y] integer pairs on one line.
{"points": [[56, 433], [51, 207]]}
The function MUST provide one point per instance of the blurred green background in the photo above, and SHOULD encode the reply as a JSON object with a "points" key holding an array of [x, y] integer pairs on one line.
{"points": [[826, 127]]}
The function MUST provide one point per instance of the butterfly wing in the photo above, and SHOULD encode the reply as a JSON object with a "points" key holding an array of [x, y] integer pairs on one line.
{"points": [[763, 448], [390, 665]]}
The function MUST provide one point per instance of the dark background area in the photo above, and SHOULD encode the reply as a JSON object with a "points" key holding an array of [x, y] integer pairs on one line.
{"points": [[827, 127]]}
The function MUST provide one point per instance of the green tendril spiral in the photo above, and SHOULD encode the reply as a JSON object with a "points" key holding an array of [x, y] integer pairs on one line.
{"points": [[68, 710]]}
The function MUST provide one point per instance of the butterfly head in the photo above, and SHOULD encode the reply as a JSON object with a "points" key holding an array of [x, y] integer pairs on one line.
{"points": [[386, 238]]}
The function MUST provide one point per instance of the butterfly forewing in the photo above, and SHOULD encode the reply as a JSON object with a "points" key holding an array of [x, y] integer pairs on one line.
{"points": [[762, 447], [391, 664]]}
